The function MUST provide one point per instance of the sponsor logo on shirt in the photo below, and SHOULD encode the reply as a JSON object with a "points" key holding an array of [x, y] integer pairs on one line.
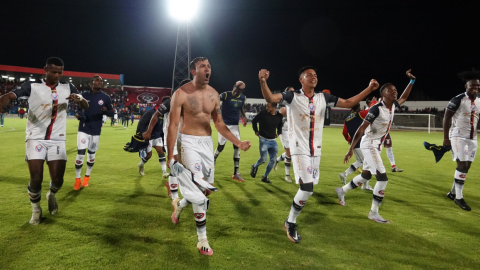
{"points": [[54, 96]]}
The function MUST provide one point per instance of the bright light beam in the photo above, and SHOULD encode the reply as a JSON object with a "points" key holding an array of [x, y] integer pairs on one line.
{"points": [[183, 10]]}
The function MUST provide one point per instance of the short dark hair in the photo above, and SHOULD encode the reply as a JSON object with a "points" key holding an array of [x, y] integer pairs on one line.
{"points": [[356, 107], [165, 98], [288, 87], [469, 75], [195, 60], [273, 104], [55, 61], [305, 68], [384, 86], [93, 78]]}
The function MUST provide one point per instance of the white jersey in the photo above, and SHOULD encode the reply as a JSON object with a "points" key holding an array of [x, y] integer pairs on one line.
{"points": [[380, 118], [465, 119], [305, 120], [47, 114]]}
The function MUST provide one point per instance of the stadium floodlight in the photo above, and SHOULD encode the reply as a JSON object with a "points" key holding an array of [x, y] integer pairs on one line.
{"points": [[32, 79], [22, 79], [11, 78], [4, 77], [183, 10]]}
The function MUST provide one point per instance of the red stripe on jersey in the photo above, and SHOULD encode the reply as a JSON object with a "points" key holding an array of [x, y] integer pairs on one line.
{"points": [[54, 117], [472, 117], [312, 125]]}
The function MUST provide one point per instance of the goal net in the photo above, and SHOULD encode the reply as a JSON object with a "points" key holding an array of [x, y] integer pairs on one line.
{"points": [[414, 121]]}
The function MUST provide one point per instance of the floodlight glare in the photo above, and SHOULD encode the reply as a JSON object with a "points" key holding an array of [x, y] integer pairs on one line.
{"points": [[183, 9]]}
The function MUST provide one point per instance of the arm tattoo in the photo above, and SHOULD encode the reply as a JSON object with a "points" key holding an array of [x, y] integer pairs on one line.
{"points": [[193, 103], [211, 98], [219, 112]]}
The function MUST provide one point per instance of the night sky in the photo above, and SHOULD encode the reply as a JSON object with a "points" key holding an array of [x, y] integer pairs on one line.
{"points": [[349, 42]]}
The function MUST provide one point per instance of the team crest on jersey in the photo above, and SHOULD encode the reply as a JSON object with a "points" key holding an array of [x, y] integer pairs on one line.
{"points": [[54, 96], [311, 107], [309, 169], [173, 186], [38, 148], [382, 192], [199, 215], [83, 141], [302, 202], [100, 102], [198, 167]]}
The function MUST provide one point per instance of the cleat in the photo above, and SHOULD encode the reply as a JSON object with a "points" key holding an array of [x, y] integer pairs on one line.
{"points": [[366, 186], [165, 175], [238, 177], [168, 188], [253, 171], [265, 179], [396, 169], [36, 216], [52, 203], [291, 229], [343, 177], [451, 196], [204, 247], [359, 169], [341, 196], [78, 184], [287, 179], [85, 181], [375, 216], [176, 210], [141, 170], [462, 204], [275, 166]]}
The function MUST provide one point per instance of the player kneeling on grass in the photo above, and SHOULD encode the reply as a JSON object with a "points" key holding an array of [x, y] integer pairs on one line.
{"points": [[460, 132], [376, 126], [89, 129], [46, 131]]}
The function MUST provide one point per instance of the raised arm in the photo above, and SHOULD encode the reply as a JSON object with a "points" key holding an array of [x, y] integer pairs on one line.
{"points": [[267, 94], [348, 103], [222, 128], [407, 90]]}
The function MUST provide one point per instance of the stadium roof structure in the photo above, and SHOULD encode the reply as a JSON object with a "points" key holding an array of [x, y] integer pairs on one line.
{"points": [[75, 77]]}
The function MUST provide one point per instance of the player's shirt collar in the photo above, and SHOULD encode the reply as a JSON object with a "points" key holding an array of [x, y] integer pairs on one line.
{"points": [[52, 87], [234, 95]]}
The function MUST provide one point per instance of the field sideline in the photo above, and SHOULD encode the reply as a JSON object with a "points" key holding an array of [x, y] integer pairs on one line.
{"points": [[122, 220]]}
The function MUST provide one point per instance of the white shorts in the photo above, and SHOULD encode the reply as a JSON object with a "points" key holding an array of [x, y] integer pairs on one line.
{"points": [[154, 143], [46, 150], [175, 150], [115, 116], [197, 156], [284, 139], [358, 154], [234, 129], [85, 141], [307, 168], [463, 149], [372, 161]]}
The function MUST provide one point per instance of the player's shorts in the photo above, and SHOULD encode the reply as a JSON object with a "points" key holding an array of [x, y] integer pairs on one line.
{"points": [[197, 156], [388, 141], [234, 129], [46, 150], [358, 154], [154, 143], [175, 150], [463, 149], [284, 139], [85, 141], [115, 116], [307, 168], [372, 161]]}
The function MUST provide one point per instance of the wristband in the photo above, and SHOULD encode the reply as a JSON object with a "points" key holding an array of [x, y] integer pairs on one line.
{"points": [[412, 81]]}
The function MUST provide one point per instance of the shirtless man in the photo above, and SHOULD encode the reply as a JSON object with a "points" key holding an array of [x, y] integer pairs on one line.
{"points": [[196, 102]]}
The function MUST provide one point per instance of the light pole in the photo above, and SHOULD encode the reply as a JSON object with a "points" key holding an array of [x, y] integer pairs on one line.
{"points": [[183, 11]]}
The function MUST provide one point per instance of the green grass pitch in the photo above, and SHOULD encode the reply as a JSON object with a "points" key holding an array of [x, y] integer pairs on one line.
{"points": [[122, 220]]}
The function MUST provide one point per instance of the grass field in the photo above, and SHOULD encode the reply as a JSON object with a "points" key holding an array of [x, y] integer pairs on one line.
{"points": [[122, 220]]}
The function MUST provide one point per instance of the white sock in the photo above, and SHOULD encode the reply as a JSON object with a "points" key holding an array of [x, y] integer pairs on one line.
{"points": [[78, 165], [390, 156], [459, 184], [356, 182], [298, 203]]}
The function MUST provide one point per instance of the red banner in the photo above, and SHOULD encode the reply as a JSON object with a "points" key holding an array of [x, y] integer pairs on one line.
{"points": [[146, 95]]}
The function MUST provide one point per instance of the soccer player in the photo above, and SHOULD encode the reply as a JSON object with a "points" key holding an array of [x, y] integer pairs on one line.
{"points": [[376, 125], [89, 129], [350, 126], [284, 138], [306, 111], [154, 133], [197, 102], [46, 131], [460, 132], [233, 102], [271, 123]]}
